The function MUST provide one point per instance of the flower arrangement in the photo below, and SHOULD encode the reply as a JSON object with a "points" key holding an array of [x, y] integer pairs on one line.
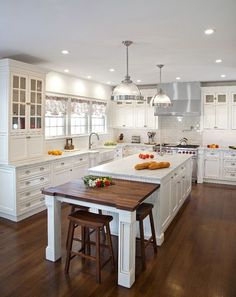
{"points": [[97, 181]]}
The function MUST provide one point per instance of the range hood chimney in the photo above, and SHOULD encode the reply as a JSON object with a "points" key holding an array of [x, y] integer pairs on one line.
{"points": [[185, 99]]}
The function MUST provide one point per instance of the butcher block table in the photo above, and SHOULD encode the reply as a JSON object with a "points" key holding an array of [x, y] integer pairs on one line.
{"points": [[122, 197]]}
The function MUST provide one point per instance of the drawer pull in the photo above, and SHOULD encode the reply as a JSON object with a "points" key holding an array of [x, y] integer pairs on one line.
{"points": [[212, 154], [27, 183], [27, 194], [42, 178], [183, 176], [233, 155], [175, 174], [42, 199], [27, 172], [28, 204], [41, 168], [178, 182], [182, 168], [233, 164], [232, 174], [70, 169], [62, 163], [81, 159]]}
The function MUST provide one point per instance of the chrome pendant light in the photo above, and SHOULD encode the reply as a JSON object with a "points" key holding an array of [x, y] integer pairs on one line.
{"points": [[127, 90], [160, 99]]}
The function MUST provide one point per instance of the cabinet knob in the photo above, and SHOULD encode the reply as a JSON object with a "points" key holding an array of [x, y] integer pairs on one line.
{"points": [[183, 176], [28, 204], [81, 159], [27, 194], [232, 174], [42, 178], [233, 164], [71, 170], [27, 172], [28, 137], [27, 183], [42, 199], [62, 163], [41, 168]]}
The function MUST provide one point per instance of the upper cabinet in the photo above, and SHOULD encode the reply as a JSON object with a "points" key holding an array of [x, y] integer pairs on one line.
{"points": [[135, 114], [22, 105], [215, 110], [233, 113], [27, 104]]}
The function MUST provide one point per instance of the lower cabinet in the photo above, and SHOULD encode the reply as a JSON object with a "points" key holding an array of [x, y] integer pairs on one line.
{"points": [[175, 189], [21, 186], [216, 165]]}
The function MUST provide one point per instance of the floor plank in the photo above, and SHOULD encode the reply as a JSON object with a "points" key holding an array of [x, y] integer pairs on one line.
{"points": [[197, 259]]}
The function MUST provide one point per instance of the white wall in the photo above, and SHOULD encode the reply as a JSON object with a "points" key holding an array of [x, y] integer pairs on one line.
{"points": [[68, 85]]}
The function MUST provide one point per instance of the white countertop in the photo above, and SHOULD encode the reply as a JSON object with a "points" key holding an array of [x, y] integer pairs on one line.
{"points": [[217, 149], [124, 168]]}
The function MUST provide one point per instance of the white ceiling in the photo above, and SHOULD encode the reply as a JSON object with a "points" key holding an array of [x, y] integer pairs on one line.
{"points": [[163, 31]]}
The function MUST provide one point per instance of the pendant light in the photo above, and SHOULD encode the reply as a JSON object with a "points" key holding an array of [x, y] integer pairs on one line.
{"points": [[160, 99], [127, 90]]}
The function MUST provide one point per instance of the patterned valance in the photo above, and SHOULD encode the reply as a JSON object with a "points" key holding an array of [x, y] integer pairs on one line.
{"points": [[56, 106], [99, 108], [79, 107]]}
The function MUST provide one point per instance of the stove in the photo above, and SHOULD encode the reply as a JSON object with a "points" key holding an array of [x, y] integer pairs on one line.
{"points": [[186, 149]]}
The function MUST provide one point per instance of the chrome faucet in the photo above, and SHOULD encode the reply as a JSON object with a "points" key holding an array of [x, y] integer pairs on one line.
{"points": [[90, 138]]}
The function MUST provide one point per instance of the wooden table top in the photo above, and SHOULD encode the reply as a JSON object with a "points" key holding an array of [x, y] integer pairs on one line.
{"points": [[123, 194]]}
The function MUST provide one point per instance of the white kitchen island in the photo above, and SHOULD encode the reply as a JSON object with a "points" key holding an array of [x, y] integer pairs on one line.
{"points": [[175, 186]]}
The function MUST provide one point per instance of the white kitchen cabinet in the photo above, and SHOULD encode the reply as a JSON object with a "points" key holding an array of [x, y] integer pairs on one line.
{"points": [[215, 110], [212, 167], [174, 196], [23, 147], [140, 114], [233, 111], [123, 115], [22, 102]]}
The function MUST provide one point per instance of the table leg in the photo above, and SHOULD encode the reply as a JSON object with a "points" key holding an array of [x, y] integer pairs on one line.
{"points": [[53, 250], [127, 243]]}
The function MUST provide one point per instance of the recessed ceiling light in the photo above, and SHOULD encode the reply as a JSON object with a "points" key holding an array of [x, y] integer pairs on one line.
{"points": [[209, 31], [108, 82], [111, 70], [218, 61], [65, 52], [89, 76], [66, 70], [223, 75], [178, 78], [138, 80]]}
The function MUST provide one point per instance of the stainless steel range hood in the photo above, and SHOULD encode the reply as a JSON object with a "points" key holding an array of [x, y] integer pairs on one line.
{"points": [[185, 97]]}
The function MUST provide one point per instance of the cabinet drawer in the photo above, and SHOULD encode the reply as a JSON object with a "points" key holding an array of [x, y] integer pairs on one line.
{"points": [[81, 159], [30, 194], [229, 174], [62, 164], [25, 185], [30, 205], [230, 164], [33, 170], [212, 154], [230, 155]]}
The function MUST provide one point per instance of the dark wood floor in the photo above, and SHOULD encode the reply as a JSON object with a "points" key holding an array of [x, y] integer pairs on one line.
{"points": [[197, 259]]}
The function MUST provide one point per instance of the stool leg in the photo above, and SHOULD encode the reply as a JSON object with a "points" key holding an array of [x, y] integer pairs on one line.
{"points": [[153, 232], [142, 244], [103, 230], [109, 242], [83, 237], [87, 240], [98, 262], [69, 246]]}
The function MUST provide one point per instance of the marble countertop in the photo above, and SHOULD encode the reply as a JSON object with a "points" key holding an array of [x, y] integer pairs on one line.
{"points": [[217, 149], [124, 168]]}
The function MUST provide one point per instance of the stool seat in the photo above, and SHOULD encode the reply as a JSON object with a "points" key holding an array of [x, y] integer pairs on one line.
{"points": [[75, 207], [144, 210], [89, 219]]}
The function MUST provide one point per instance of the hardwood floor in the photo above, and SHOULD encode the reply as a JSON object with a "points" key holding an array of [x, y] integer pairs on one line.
{"points": [[197, 259]]}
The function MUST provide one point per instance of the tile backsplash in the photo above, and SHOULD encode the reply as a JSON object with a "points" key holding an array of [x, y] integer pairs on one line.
{"points": [[174, 128]]}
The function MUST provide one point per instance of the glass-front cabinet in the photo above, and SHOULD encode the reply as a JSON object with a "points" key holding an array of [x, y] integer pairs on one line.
{"points": [[27, 103]]}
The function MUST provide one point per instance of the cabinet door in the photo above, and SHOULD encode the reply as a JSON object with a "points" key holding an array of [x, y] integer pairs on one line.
{"points": [[174, 201], [36, 103], [79, 171], [34, 146], [209, 116], [139, 114], [221, 116], [165, 204], [212, 168], [233, 115], [151, 120], [18, 102], [62, 176], [18, 148]]}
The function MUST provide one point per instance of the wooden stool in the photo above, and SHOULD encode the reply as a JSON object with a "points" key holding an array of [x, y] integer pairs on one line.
{"points": [[94, 221], [144, 210]]}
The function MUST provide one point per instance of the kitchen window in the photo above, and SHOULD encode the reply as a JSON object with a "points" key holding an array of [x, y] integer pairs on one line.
{"points": [[66, 116], [56, 112]]}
